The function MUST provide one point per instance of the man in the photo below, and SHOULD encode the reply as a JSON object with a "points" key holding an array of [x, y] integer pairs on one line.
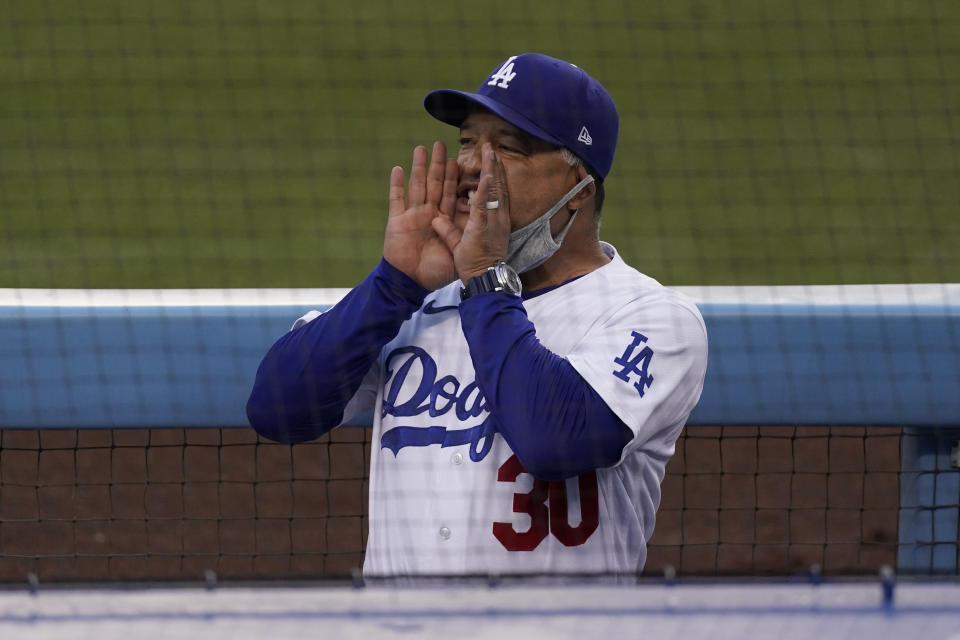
{"points": [[527, 385]]}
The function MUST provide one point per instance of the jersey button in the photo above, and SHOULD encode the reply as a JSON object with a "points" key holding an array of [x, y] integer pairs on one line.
{"points": [[457, 458], [445, 533]]}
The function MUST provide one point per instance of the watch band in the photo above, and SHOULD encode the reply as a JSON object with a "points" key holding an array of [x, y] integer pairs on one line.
{"points": [[480, 284], [499, 277]]}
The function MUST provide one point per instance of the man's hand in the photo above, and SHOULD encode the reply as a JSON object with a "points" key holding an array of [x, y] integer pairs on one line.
{"points": [[410, 243], [485, 238]]}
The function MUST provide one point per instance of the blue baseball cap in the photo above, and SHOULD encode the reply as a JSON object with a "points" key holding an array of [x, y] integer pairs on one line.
{"points": [[548, 98]]}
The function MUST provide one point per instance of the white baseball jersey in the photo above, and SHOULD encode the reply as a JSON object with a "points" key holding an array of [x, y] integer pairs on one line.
{"points": [[448, 496]]}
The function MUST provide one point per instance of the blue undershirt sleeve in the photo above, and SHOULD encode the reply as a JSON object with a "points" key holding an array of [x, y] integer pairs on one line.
{"points": [[558, 426], [309, 375]]}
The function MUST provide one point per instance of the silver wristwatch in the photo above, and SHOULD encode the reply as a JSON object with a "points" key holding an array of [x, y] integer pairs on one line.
{"points": [[499, 277]]}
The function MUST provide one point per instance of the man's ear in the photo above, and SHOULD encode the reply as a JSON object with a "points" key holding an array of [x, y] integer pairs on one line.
{"points": [[586, 194]]}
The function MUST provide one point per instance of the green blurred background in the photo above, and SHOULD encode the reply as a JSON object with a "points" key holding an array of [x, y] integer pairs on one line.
{"points": [[153, 143]]}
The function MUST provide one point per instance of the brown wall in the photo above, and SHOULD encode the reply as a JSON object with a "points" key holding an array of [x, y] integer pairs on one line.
{"points": [[779, 500], [133, 504]]}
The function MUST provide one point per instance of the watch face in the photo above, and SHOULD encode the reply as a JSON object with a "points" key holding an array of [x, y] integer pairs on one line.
{"points": [[507, 275]]}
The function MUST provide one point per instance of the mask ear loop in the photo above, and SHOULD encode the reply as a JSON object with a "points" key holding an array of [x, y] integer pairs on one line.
{"points": [[577, 188], [519, 237]]}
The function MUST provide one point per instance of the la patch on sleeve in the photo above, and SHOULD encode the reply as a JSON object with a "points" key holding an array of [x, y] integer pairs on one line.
{"points": [[635, 364]]}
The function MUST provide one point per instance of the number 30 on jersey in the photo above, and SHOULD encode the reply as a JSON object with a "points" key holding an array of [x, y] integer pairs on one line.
{"points": [[546, 504]]}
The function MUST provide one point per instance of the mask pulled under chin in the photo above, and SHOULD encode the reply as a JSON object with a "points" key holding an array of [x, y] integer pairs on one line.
{"points": [[532, 245]]}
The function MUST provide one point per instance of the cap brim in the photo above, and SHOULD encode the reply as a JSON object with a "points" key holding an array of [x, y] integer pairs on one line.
{"points": [[453, 107]]}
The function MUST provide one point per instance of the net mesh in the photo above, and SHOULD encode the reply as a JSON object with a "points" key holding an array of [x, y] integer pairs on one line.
{"points": [[122, 504], [172, 504], [172, 144], [249, 143]]}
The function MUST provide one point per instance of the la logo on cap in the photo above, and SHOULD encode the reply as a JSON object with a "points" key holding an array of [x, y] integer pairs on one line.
{"points": [[504, 74]]}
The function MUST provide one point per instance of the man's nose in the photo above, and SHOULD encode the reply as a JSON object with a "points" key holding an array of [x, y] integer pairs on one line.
{"points": [[470, 160]]}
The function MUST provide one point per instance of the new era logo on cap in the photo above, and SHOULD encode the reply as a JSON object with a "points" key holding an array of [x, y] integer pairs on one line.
{"points": [[548, 98]]}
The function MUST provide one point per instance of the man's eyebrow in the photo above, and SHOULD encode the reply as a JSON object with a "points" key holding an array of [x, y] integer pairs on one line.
{"points": [[533, 143], [528, 142], [525, 140]]}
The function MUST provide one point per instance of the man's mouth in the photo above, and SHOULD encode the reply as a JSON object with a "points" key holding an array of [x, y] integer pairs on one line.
{"points": [[465, 200]]}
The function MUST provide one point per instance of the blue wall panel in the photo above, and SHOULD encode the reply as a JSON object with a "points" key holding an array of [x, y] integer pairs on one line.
{"points": [[193, 366]]}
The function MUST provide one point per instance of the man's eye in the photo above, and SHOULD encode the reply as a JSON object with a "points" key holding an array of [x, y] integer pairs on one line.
{"points": [[465, 141], [509, 148]]}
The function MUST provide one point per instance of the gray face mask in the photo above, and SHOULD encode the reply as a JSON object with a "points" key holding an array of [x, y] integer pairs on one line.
{"points": [[532, 245]]}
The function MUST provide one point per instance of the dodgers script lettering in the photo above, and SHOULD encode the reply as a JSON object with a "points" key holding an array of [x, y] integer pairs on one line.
{"points": [[414, 389]]}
